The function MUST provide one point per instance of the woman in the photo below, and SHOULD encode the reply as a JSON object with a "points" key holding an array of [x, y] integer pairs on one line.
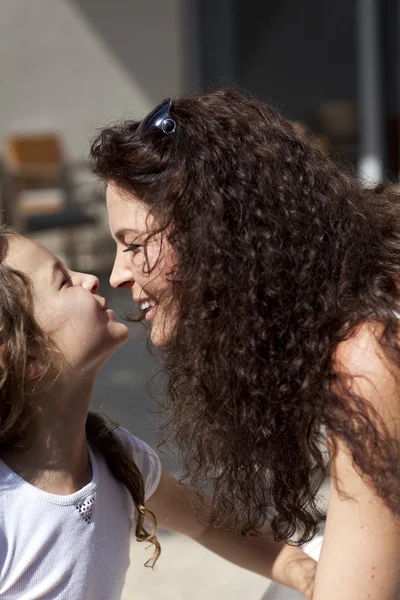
{"points": [[270, 281]]}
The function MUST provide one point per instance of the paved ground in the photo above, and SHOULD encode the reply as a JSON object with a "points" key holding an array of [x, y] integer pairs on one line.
{"points": [[186, 570]]}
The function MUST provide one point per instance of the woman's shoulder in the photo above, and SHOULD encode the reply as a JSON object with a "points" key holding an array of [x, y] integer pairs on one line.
{"points": [[362, 350], [367, 370]]}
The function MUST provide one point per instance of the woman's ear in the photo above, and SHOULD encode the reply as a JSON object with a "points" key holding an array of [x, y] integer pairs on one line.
{"points": [[35, 367]]}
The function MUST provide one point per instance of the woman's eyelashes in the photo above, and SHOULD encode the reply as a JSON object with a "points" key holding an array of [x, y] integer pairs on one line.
{"points": [[132, 247]]}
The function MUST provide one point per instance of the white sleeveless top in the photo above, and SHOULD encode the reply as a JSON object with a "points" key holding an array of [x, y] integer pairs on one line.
{"points": [[73, 547]]}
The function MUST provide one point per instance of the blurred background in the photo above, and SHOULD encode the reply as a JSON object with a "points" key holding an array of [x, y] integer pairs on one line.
{"points": [[68, 67]]}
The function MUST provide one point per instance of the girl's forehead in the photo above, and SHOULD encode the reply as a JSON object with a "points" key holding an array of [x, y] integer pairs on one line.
{"points": [[28, 256]]}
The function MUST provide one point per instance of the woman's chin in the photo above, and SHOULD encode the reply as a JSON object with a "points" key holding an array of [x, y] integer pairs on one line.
{"points": [[156, 341], [162, 325], [158, 338]]}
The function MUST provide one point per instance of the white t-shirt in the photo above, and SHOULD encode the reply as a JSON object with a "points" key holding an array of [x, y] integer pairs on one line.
{"points": [[73, 547]]}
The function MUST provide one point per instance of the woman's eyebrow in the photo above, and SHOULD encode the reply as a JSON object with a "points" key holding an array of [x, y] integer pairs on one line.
{"points": [[121, 233]]}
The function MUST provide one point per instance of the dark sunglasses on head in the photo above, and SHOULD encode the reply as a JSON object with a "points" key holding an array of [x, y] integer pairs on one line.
{"points": [[159, 118]]}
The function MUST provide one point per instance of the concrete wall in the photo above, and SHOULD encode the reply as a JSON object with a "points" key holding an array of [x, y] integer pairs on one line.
{"points": [[74, 65]]}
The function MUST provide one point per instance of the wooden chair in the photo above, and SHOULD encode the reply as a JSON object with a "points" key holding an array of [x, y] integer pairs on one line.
{"points": [[39, 186]]}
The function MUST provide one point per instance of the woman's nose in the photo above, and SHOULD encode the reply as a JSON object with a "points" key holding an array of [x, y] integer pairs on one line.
{"points": [[121, 276]]}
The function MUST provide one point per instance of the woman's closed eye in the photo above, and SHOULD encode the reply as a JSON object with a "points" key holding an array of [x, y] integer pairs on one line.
{"points": [[132, 247]]}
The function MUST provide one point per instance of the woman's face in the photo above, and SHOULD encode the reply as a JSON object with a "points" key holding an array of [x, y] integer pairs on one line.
{"points": [[130, 224]]}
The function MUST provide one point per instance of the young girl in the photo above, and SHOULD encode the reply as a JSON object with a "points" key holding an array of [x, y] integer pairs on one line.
{"points": [[271, 281], [71, 486]]}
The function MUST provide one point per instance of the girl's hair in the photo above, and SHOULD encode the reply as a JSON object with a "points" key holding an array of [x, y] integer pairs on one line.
{"points": [[280, 256], [19, 334], [100, 435]]}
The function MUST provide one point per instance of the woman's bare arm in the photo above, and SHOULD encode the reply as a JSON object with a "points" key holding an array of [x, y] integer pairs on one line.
{"points": [[360, 557], [173, 506]]}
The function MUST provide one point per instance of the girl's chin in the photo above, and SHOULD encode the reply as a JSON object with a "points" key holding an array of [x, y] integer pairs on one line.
{"points": [[119, 330], [108, 348], [124, 335], [117, 336]]}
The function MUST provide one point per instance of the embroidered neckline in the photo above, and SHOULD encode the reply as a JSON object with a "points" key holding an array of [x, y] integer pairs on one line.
{"points": [[86, 509]]}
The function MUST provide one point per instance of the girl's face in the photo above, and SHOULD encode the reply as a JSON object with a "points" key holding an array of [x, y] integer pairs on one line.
{"points": [[130, 224], [67, 307]]}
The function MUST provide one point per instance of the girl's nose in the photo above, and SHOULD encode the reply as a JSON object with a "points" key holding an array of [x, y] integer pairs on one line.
{"points": [[94, 284], [90, 282]]}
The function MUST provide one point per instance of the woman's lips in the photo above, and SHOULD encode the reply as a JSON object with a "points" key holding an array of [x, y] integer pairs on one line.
{"points": [[147, 307], [150, 313]]}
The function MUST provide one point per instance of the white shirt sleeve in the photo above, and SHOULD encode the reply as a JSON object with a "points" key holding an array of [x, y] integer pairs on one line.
{"points": [[145, 459]]}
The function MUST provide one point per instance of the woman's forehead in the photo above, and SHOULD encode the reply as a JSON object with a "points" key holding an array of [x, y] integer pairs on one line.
{"points": [[127, 213]]}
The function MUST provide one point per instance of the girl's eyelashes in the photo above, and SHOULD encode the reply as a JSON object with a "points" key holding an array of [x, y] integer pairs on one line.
{"points": [[132, 247], [66, 281]]}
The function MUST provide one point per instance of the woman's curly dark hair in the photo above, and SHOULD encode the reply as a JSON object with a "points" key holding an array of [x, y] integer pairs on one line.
{"points": [[281, 255]]}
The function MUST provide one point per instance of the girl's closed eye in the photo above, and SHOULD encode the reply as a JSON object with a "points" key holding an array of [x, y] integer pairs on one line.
{"points": [[66, 281]]}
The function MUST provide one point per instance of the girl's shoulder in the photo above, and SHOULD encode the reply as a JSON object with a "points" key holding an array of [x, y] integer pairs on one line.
{"points": [[145, 458]]}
